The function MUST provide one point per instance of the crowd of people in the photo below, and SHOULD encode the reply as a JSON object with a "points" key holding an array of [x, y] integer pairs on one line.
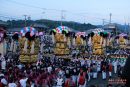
{"points": [[56, 72]]}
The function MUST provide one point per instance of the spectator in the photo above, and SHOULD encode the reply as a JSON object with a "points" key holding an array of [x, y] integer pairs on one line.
{"points": [[23, 81]]}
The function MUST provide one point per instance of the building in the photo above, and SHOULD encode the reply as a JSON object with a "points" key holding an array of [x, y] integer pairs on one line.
{"points": [[112, 28], [40, 27]]}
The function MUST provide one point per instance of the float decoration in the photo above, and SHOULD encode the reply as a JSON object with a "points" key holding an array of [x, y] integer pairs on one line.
{"points": [[29, 45], [97, 40], [122, 40], [61, 40], [80, 39]]}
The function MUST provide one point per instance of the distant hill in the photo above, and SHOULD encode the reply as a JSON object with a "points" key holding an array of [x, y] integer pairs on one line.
{"points": [[51, 24]]}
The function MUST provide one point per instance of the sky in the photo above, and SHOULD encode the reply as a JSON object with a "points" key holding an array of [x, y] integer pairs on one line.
{"points": [[83, 11]]}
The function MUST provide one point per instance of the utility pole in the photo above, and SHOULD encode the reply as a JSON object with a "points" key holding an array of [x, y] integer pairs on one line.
{"points": [[103, 20], [29, 17], [62, 16], [110, 17], [25, 16], [125, 28], [128, 28]]}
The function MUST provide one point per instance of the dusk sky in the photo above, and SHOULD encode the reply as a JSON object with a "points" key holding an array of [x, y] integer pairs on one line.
{"points": [[88, 11]]}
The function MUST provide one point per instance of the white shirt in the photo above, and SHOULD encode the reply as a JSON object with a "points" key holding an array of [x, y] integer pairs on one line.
{"points": [[32, 85], [1, 74], [49, 69], [20, 66], [4, 81], [23, 82], [59, 81], [12, 85], [3, 64], [82, 62], [115, 63]]}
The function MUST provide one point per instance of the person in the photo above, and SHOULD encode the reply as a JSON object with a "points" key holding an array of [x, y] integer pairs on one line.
{"points": [[81, 80], [12, 84], [32, 83], [110, 70], [4, 81], [1, 85], [119, 69], [3, 64], [70, 83], [98, 66], [104, 72], [23, 81], [94, 71], [20, 66], [89, 73], [40, 56], [115, 66], [1, 56], [59, 82], [49, 69], [74, 76]]}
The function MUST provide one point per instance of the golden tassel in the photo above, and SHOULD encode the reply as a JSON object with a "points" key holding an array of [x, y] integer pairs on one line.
{"points": [[84, 42], [89, 41], [32, 48], [1, 48], [104, 42], [64, 38], [74, 41], [117, 41], [53, 39], [68, 41], [25, 46], [81, 41], [101, 40]]}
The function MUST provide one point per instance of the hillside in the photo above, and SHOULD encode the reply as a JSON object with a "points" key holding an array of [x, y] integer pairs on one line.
{"points": [[51, 24]]}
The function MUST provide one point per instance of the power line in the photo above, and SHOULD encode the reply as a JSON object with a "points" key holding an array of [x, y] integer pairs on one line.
{"points": [[27, 5], [70, 12]]}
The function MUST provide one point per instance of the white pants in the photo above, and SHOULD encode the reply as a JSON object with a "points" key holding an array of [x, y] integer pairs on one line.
{"points": [[115, 69], [74, 78], [83, 85], [103, 75], [98, 69], [89, 76], [58, 86], [110, 74], [95, 75]]}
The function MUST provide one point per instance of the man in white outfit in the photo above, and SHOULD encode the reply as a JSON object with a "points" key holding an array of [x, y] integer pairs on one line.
{"points": [[23, 82], [115, 66], [12, 85], [59, 81], [4, 81], [3, 64], [49, 69]]}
